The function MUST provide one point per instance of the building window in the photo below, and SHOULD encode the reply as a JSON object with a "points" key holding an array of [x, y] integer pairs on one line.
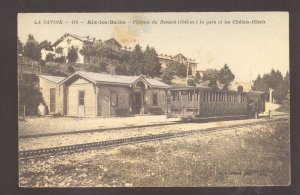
{"points": [[114, 98], [155, 99], [81, 98]]}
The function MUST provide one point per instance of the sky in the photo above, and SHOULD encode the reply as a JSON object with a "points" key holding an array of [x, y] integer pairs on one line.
{"points": [[248, 48]]}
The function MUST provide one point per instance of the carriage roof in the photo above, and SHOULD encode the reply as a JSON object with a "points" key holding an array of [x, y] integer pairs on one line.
{"points": [[190, 88]]}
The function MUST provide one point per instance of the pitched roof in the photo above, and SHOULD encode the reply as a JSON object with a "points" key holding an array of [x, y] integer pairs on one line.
{"points": [[115, 79], [80, 38], [53, 79], [179, 55], [156, 83], [113, 41]]}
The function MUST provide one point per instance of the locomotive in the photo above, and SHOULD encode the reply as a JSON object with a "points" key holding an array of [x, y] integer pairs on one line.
{"points": [[195, 102]]}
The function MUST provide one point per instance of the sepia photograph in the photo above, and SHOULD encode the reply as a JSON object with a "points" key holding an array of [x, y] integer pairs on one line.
{"points": [[153, 99]]}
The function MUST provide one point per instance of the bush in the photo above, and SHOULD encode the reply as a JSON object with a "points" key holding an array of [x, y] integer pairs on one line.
{"points": [[96, 67], [29, 93], [42, 63], [61, 59], [71, 69], [192, 82], [50, 57]]}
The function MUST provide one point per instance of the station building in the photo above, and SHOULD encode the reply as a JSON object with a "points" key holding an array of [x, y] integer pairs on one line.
{"points": [[96, 94]]}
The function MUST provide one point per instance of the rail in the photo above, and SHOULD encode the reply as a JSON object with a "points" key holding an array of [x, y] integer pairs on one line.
{"points": [[131, 140]]}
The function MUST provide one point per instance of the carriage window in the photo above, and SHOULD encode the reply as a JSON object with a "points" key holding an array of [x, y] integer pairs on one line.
{"points": [[114, 98], [155, 99], [175, 96], [190, 94]]}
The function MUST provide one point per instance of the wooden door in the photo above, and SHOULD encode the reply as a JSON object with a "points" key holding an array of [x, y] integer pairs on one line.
{"points": [[52, 100]]}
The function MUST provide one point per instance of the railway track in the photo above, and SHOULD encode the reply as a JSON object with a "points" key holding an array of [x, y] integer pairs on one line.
{"points": [[124, 128], [131, 140]]}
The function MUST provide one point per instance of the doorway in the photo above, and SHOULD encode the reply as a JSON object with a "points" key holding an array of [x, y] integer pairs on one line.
{"points": [[137, 102], [52, 100]]}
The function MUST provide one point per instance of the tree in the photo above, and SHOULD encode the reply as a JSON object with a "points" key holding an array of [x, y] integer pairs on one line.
{"points": [[96, 68], [50, 57], [32, 49], [273, 80], [286, 80], [192, 82], [211, 75], [61, 59], [59, 50], [46, 45], [136, 61], [29, 93], [167, 75], [150, 64], [19, 46], [197, 77], [225, 75], [72, 54], [178, 68]]}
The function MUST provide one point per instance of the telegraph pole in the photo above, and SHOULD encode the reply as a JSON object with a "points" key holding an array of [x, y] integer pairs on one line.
{"points": [[271, 101], [187, 72]]}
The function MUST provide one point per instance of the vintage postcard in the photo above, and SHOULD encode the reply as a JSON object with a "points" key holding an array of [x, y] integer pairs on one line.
{"points": [[153, 99]]}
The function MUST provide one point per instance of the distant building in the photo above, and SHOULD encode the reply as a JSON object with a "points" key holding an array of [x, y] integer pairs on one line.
{"points": [[68, 40], [113, 44], [180, 58], [96, 94]]}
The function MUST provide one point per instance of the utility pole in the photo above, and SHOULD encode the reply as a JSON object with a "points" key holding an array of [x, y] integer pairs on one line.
{"points": [[270, 101], [187, 72]]}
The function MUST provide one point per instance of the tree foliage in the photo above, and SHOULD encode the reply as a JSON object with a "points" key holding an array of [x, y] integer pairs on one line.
{"points": [[136, 61], [150, 64], [32, 49], [72, 54], [275, 81], [192, 82], [125, 62], [225, 76], [167, 75], [96, 68], [46, 45], [59, 50], [50, 57], [29, 93], [19, 46], [211, 75]]}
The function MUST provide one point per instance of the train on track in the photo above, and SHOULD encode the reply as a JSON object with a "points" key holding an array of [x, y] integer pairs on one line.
{"points": [[194, 102]]}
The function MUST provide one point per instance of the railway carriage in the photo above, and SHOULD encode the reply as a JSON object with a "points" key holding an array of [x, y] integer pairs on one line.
{"points": [[194, 102]]}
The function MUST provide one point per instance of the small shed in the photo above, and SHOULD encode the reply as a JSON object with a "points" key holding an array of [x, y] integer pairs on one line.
{"points": [[52, 93]]}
